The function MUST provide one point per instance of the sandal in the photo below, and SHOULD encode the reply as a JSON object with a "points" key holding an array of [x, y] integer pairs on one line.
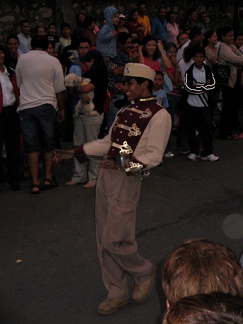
{"points": [[35, 188], [50, 183]]}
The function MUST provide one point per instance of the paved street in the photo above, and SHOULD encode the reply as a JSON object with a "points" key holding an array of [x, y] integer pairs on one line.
{"points": [[49, 269]]}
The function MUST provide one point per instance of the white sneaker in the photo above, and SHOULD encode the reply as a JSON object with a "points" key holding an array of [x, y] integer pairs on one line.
{"points": [[210, 157], [192, 157], [169, 154]]}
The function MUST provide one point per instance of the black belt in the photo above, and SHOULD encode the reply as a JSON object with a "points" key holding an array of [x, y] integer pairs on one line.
{"points": [[12, 107]]}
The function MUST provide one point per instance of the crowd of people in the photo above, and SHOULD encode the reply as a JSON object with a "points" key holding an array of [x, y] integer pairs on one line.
{"points": [[190, 92], [122, 89]]}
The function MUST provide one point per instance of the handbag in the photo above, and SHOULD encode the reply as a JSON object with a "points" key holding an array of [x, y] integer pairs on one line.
{"points": [[221, 72]]}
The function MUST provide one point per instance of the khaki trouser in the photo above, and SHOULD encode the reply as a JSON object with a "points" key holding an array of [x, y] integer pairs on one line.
{"points": [[117, 197]]}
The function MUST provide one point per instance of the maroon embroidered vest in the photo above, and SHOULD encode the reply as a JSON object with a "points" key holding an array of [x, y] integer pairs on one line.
{"points": [[131, 123]]}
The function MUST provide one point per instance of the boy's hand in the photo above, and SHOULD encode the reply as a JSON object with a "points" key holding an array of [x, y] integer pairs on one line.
{"points": [[84, 99], [108, 163], [60, 115], [59, 155]]}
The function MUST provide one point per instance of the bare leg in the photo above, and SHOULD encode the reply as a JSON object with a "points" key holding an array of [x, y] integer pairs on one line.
{"points": [[33, 161], [48, 164]]}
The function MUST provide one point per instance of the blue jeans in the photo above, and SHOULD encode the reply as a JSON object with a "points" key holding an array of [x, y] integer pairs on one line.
{"points": [[38, 124]]}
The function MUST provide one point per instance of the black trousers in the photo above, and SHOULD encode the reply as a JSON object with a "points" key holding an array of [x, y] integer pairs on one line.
{"points": [[231, 104], [10, 136], [199, 119]]}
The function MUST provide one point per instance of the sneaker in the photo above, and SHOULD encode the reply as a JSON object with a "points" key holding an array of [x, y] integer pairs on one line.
{"points": [[143, 290], [210, 157], [169, 154], [111, 305], [192, 157]]}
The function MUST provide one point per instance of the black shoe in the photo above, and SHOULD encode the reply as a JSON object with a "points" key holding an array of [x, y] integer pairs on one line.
{"points": [[15, 187]]}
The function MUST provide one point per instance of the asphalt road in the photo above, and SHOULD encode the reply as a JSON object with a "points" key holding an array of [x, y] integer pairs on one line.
{"points": [[49, 269]]}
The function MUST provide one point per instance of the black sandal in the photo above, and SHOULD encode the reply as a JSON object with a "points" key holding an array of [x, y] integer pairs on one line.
{"points": [[35, 188], [50, 183]]}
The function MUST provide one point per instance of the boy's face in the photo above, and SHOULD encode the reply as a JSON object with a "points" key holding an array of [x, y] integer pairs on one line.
{"points": [[83, 48], [12, 45], [204, 17], [41, 31], [171, 53], [162, 14], [239, 41], [134, 35], [198, 60], [228, 38], [213, 39], [50, 49], [183, 38], [134, 47], [91, 26], [172, 18], [116, 19], [158, 81], [133, 90], [52, 30], [127, 46], [142, 9], [193, 16], [81, 18], [66, 31], [135, 16], [25, 28]]}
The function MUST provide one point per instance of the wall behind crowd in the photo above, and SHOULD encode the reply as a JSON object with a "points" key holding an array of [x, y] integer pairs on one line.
{"points": [[43, 12]]}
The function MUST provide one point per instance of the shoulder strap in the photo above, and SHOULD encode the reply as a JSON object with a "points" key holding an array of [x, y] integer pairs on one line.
{"points": [[227, 63]]}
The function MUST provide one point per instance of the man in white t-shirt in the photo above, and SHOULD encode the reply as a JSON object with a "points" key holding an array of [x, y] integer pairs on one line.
{"points": [[24, 37], [41, 82]]}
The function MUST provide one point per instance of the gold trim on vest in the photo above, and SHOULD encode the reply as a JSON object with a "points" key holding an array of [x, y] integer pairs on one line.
{"points": [[124, 148], [132, 131], [147, 99]]}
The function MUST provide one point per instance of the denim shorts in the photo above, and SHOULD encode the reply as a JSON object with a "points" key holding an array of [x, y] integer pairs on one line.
{"points": [[38, 125]]}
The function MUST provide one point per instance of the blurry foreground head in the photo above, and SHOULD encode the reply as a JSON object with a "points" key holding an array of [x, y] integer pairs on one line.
{"points": [[94, 60], [201, 266], [39, 42], [214, 308]]}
